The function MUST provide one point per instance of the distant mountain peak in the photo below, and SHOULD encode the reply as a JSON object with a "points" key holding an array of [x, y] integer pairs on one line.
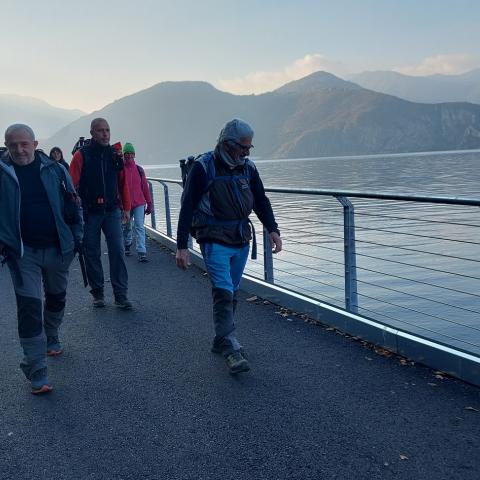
{"points": [[197, 85], [32, 102], [317, 81]]}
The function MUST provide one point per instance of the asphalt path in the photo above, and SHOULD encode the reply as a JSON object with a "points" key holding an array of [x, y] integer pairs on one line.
{"points": [[138, 395]]}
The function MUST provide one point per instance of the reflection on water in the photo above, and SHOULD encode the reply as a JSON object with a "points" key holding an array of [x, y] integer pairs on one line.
{"points": [[417, 263]]}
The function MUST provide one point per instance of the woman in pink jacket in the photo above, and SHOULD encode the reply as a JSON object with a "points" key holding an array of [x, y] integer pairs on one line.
{"points": [[141, 204]]}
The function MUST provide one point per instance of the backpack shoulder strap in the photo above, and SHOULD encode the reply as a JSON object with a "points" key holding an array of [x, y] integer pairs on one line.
{"points": [[140, 171], [86, 156], [208, 162], [249, 168]]}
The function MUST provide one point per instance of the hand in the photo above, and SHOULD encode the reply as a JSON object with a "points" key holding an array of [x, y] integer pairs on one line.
{"points": [[148, 209], [182, 257], [276, 242], [125, 217]]}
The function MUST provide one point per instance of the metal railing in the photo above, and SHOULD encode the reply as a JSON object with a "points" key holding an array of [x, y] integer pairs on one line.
{"points": [[407, 261]]}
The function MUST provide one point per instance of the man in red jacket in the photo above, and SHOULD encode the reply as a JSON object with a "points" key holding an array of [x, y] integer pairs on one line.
{"points": [[141, 204], [98, 174]]}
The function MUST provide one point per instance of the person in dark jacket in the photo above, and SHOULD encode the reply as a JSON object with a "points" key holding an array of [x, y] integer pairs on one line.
{"points": [[38, 242], [57, 155], [222, 189], [98, 174]]}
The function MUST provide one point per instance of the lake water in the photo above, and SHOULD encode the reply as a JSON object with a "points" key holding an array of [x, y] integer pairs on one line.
{"points": [[417, 263]]}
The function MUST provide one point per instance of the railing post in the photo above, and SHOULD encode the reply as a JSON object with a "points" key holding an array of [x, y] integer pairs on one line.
{"points": [[351, 295], [267, 258], [168, 219], [153, 218]]}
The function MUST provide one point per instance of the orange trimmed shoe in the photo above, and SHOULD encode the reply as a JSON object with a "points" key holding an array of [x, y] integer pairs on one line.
{"points": [[53, 347], [40, 383]]}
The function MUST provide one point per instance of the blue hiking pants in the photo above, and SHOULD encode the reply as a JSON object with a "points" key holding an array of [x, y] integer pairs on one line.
{"points": [[135, 227], [225, 267]]}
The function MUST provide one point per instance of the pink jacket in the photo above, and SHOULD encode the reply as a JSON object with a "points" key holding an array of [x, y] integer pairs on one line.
{"points": [[137, 184]]}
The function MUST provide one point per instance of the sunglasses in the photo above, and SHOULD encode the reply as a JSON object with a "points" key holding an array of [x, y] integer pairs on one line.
{"points": [[243, 147]]}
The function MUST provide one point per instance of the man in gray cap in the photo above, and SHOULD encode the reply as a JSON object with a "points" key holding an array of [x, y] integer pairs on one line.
{"points": [[222, 189]]}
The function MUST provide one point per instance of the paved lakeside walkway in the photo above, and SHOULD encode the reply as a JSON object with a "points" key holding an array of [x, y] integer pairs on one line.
{"points": [[138, 395]]}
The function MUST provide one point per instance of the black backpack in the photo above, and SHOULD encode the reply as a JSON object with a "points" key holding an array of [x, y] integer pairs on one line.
{"points": [[80, 143], [185, 167]]}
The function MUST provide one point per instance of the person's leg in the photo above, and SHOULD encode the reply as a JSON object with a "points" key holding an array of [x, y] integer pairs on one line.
{"points": [[237, 266], [218, 261], [27, 282], [93, 253], [128, 234], [116, 257], [55, 280], [139, 228]]}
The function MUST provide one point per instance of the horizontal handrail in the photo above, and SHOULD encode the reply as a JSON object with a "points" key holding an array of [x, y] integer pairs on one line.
{"points": [[166, 180], [354, 193], [378, 195]]}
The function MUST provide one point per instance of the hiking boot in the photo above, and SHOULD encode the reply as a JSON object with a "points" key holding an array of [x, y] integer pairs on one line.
{"points": [[54, 348], [218, 348], [236, 363], [98, 301], [128, 252], [40, 383], [123, 302], [142, 257]]}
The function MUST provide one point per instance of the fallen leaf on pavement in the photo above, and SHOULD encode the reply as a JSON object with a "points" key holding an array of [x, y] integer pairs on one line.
{"points": [[252, 299], [472, 409], [383, 352]]}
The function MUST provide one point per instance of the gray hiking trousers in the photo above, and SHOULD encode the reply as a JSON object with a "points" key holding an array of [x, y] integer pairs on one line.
{"points": [[42, 271], [111, 225]]}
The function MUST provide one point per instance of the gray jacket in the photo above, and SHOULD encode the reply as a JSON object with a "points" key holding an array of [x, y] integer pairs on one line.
{"points": [[52, 177]]}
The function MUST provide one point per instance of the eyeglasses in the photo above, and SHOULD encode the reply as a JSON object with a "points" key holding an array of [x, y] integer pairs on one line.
{"points": [[241, 146]]}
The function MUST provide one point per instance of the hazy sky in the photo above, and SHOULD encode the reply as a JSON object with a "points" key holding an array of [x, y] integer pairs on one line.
{"points": [[85, 54]]}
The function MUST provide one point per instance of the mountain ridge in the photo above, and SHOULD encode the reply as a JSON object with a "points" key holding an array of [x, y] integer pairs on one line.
{"points": [[317, 115], [436, 88], [44, 118]]}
